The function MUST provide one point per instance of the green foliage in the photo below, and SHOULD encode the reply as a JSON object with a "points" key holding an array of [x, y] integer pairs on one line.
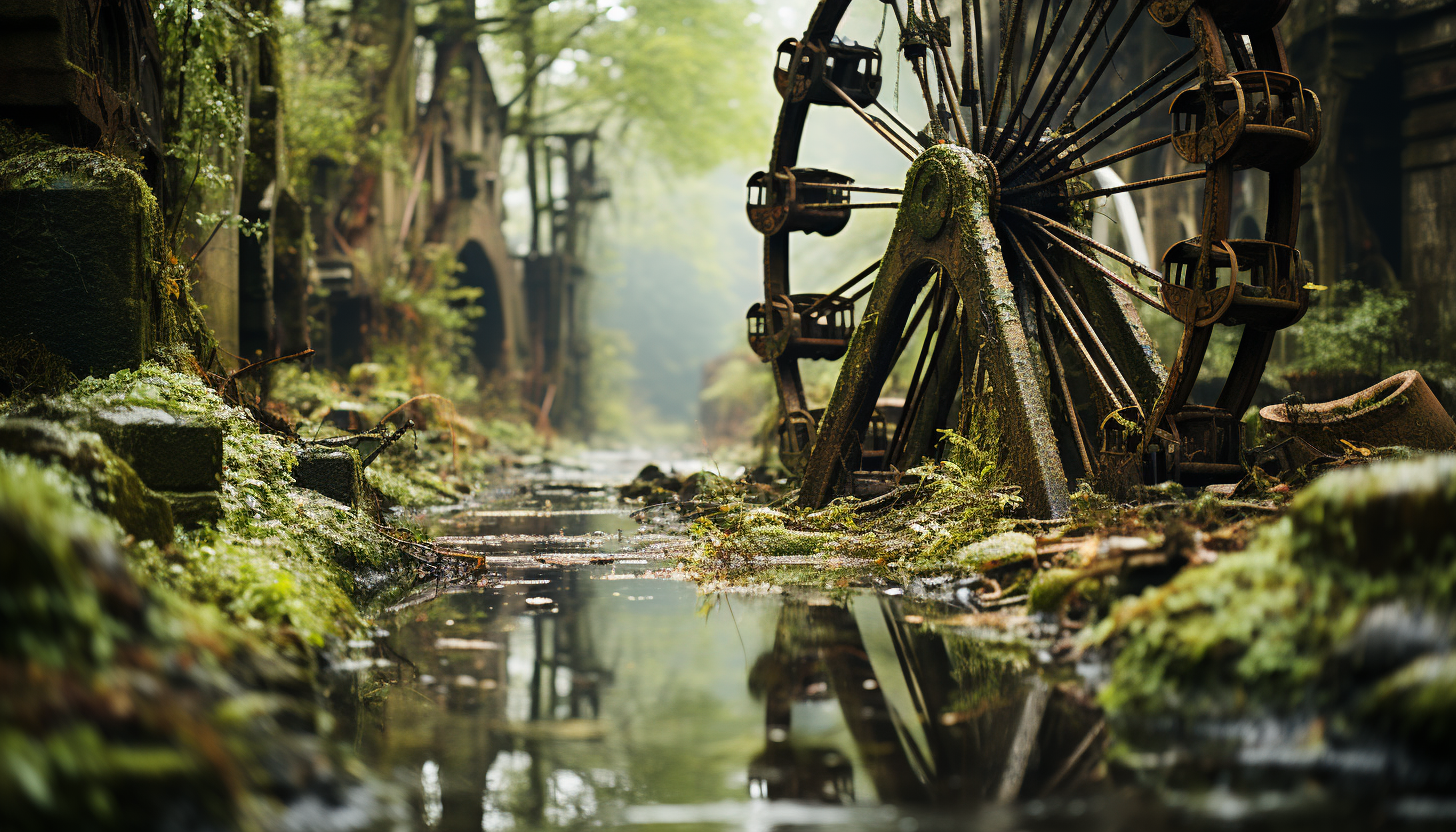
{"points": [[1090, 507], [1249, 629], [70, 619], [1360, 329], [666, 78], [130, 698], [51, 614], [956, 503], [325, 100], [1050, 588], [204, 44], [998, 548], [427, 344], [278, 555]]}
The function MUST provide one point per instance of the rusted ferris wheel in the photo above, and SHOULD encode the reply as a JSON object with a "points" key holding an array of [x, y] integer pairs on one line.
{"points": [[1021, 325]]}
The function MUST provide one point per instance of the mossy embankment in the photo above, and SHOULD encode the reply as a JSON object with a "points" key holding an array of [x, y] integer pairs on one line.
{"points": [[157, 674], [1335, 621], [1326, 611]]}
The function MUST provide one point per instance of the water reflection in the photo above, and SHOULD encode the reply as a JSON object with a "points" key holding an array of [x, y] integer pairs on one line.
{"points": [[553, 697], [936, 718]]}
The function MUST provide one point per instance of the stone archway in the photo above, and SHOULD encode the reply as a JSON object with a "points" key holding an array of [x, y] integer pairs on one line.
{"points": [[488, 331]]}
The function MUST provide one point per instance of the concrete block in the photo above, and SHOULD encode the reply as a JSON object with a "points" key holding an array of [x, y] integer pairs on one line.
{"points": [[74, 273], [115, 488], [169, 453], [192, 509], [332, 472]]}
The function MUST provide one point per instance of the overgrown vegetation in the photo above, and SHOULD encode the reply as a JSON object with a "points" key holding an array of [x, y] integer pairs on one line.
{"points": [[160, 673], [928, 524], [1337, 611]]}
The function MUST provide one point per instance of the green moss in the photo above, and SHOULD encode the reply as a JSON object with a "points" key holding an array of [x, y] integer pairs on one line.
{"points": [[73, 627], [407, 485], [1418, 701], [1251, 629], [150, 385], [280, 556], [1091, 507], [28, 369], [1000, 548], [1261, 632], [1050, 588], [112, 486], [1385, 517], [52, 613], [128, 701], [957, 502]]}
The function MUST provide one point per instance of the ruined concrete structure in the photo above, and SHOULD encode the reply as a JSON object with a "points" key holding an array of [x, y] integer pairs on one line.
{"points": [[438, 94], [305, 269], [1380, 195], [80, 272]]}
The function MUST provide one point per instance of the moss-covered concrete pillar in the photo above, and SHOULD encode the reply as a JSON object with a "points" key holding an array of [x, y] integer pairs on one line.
{"points": [[76, 261]]}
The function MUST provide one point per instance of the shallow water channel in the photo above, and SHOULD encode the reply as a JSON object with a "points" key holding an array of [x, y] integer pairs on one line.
{"points": [[580, 684]]}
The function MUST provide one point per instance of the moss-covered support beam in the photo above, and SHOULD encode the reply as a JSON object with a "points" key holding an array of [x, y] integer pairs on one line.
{"points": [[946, 221]]}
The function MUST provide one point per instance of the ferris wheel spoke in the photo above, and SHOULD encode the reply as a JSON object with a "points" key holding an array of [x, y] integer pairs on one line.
{"points": [[1087, 359], [1141, 185], [1111, 276], [920, 75], [1078, 431], [973, 86], [1010, 34], [1040, 38], [1060, 151], [890, 114], [910, 328], [1043, 51], [1239, 50], [1047, 223], [1087, 328], [1122, 33], [1066, 72], [970, 97], [915, 393], [879, 127], [845, 287], [949, 87], [1128, 118], [951, 94], [1080, 170], [848, 206]]}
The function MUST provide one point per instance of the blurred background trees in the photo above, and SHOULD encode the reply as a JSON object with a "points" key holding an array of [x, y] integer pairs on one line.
{"points": [[425, 188]]}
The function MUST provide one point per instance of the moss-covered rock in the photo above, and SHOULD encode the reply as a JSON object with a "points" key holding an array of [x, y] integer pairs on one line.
{"points": [[277, 556], [333, 472], [1337, 613], [1050, 588], [1418, 701], [167, 452], [112, 484], [1388, 517], [998, 548], [125, 704]]}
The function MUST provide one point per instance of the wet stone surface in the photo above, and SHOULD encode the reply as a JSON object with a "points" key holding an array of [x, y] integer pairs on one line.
{"points": [[582, 682]]}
